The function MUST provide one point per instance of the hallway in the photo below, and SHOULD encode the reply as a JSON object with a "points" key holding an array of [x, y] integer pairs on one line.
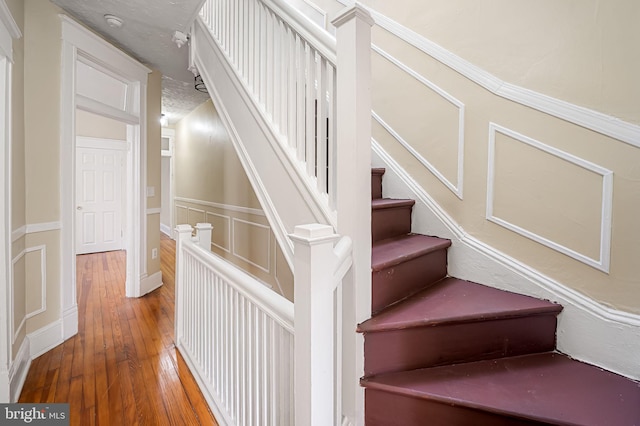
{"points": [[122, 366]]}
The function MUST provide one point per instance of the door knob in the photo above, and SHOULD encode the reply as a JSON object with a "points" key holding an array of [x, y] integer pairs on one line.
{"points": [[79, 208]]}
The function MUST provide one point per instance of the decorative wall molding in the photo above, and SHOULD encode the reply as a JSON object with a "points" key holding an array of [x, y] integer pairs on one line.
{"points": [[228, 207], [584, 117], [227, 228], [266, 268], [154, 210], [587, 330], [43, 289], [602, 263], [191, 211], [43, 279], [456, 187], [16, 234], [33, 228]]}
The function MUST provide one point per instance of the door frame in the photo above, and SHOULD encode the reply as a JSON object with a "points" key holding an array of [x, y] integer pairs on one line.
{"points": [[171, 135], [81, 45]]}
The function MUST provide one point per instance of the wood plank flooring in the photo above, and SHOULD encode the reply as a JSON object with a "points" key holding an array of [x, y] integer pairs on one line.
{"points": [[122, 367]]}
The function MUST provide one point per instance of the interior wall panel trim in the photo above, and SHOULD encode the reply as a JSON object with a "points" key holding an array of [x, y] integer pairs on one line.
{"points": [[603, 260], [457, 186]]}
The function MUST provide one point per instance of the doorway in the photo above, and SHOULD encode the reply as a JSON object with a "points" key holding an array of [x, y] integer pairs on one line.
{"points": [[100, 188]]}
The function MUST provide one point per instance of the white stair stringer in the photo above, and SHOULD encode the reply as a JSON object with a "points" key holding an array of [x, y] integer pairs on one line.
{"points": [[285, 192]]}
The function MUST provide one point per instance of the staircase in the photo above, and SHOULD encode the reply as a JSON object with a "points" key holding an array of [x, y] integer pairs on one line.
{"points": [[443, 351]]}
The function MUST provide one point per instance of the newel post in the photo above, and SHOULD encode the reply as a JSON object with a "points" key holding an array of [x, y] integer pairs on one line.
{"points": [[203, 232], [353, 192], [183, 234], [314, 263]]}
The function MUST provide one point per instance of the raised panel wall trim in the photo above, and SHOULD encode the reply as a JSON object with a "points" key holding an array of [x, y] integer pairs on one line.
{"points": [[457, 187], [43, 284], [584, 117], [233, 245], [602, 263], [228, 229], [446, 182], [221, 206], [154, 210], [16, 234]]}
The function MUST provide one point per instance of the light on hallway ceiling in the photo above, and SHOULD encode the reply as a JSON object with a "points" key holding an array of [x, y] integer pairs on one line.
{"points": [[164, 121], [114, 21]]}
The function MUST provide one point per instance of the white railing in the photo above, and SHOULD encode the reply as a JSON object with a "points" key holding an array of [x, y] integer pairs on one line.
{"points": [[235, 334], [313, 91], [289, 68]]}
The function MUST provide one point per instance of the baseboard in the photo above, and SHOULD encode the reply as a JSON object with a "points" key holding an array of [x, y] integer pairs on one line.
{"points": [[70, 322], [587, 330], [166, 230], [45, 338], [150, 283], [18, 370]]}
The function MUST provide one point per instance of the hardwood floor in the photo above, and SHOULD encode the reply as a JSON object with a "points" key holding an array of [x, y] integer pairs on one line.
{"points": [[122, 367]]}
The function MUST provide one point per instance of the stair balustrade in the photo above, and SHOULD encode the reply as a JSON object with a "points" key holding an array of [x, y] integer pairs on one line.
{"points": [[235, 334], [312, 92]]}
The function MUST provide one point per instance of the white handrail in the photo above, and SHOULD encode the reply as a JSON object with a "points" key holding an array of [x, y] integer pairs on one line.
{"points": [[235, 334], [269, 301]]}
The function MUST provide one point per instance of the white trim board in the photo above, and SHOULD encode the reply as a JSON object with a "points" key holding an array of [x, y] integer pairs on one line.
{"points": [[221, 206], [602, 263], [18, 370], [46, 338], [150, 283], [584, 117], [587, 330]]}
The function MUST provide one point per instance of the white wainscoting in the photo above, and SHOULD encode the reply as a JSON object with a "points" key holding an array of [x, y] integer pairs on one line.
{"points": [[601, 263], [228, 221]]}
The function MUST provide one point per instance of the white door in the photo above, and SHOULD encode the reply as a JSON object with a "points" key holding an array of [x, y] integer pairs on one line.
{"points": [[98, 200]]}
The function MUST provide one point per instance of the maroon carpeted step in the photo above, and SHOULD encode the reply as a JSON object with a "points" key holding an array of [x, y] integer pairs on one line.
{"points": [[402, 266], [376, 182], [457, 321], [390, 218], [541, 389]]}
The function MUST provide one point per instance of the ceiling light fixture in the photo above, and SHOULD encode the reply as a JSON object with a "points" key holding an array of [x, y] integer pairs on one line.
{"points": [[180, 38], [113, 21]]}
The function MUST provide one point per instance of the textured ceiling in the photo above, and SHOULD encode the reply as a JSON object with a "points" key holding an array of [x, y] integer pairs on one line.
{"points": [[147, 36]]}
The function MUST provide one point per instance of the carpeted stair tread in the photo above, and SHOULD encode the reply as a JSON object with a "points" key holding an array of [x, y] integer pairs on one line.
{"points": [[395, 250], [549, 388], [456, 301]]}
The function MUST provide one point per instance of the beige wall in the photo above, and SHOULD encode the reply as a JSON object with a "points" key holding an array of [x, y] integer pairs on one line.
{"points": [[543, 178], [154, 94], [583, 52], [211, 186], [42, 38], [96, 126]]}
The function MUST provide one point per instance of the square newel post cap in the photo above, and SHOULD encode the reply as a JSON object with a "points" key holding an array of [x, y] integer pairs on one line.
{"points": [[351, 12], [183, 229], [314, 233], [203, 226]]}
